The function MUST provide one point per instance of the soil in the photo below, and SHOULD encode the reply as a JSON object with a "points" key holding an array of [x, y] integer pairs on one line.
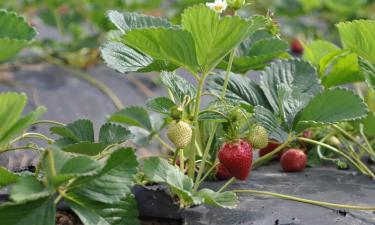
{"points": [[69, 218]]}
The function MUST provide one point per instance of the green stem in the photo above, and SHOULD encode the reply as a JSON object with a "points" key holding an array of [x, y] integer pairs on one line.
{"points": [[175, 156], [361, 131], [163, 143], [192, 151], [205, 156], [182, 160], [51, 163], [31, 135], [270, 155], [358, 165], [199, 182], [227, 75], [227, 184], [48, 122], [20, 148], [346, 134], [308, 201]]}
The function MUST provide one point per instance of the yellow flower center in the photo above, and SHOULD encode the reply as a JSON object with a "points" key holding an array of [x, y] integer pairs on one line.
{"points": [[218, 7]]}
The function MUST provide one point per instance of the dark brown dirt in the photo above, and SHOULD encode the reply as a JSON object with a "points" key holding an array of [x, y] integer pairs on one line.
{"points": [[67, 218], [153, 221]]}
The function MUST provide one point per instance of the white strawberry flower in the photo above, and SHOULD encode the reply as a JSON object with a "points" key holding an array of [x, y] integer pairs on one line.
{"points": [[219, 5]]}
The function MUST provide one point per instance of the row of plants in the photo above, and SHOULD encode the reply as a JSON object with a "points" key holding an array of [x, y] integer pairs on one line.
{"points": [[297, 108]]}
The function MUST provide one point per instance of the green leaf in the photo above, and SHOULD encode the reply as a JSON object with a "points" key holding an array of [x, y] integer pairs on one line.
{"points": [[332, 106], [259, 55], [215, 37], [7, 177], [11, 107], [112, 183], [368, 69], [161, 105], [226, 199], [156, 169], [124, 212], [269, 121], [38, 212], [15, 34], [178, 86], [79, 166], [293, 72], [110, 189], [124, 59], [369, 124], [174, 45], [22, 124], [240, 89], [133, 116], [212, 115], [291, 101], [28, 188], [343, 70], [315, 51], [359, 36], [85, 148], [83, 129], [113, 134], [129, 20]]}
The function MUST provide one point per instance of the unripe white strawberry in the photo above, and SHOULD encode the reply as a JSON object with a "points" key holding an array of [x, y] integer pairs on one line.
{"points": [[258, 137], [179, 133]]}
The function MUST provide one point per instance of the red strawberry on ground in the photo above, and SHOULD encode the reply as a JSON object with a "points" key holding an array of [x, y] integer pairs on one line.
{"points": [[237, 158], [272, 145], [296, 46], [293, 160], [222, 173]]}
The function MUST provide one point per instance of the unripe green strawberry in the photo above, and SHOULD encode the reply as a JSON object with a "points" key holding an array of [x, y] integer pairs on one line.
{"points": [[258, 137], [179, 133]]}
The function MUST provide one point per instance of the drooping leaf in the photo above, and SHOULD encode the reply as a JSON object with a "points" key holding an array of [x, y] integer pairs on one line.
{"points": [[7, 177], [110, 188], [161, 105], [174, 45], [240, 89], [269, 121], [293, 72], [226, 199], [127, 21], [113, 134], [11, 107], [124, 59], [332, 106], [28, 188], [178, 86], [368, 69], [316, 50], [37, 212], [215, 37], [359, 36], [22, 124], [133, 116]]}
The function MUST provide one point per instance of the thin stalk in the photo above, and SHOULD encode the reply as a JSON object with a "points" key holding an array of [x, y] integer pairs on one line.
{"points": [[20, 148], [192, 151], [48, 122], [270, 155], [199, 182], [164, 144], [175, 156], [227, 184], [31, 135], [361, 131], [357, 164], [88, 78], [182, 160], [51, 163], [346, 134], [204, 158], [227, 75], [308, 201]]}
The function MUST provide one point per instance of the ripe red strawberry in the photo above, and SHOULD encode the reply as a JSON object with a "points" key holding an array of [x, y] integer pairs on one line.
{"points": [[296, 46], [237, 158], [222, 173], [293, 160], [272, 145]]}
